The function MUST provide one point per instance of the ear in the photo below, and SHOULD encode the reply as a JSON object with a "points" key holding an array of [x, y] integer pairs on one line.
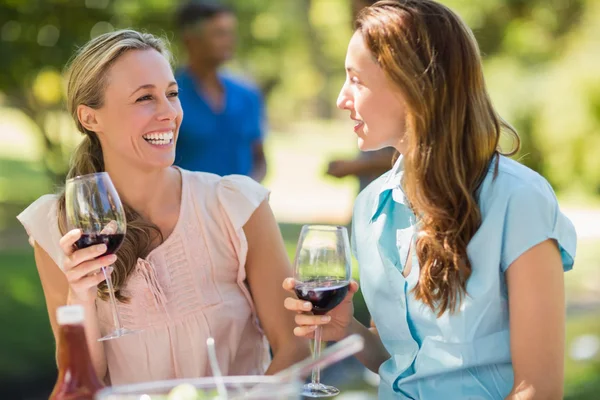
{"points": [[88, 118]]}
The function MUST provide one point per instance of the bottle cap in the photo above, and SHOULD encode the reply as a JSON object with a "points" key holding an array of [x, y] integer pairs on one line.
{"points": [[67, 315]]}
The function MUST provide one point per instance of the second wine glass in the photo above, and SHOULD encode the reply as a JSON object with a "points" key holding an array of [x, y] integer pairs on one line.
{"points": [[93, 206], [322, 271]]}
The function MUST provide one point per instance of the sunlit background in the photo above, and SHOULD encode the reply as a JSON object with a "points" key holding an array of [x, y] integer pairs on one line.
{"points": [[542, 63]]}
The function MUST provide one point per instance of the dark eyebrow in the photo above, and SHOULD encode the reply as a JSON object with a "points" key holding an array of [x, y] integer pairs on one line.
{"points": [[151, 86]]}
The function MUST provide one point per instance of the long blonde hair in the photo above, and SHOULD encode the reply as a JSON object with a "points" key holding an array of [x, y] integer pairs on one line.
{"points": [[86, 83], [452, 133]]}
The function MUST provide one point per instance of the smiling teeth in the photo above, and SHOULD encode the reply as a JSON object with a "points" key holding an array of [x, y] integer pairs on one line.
{"points": [[159, 138]]}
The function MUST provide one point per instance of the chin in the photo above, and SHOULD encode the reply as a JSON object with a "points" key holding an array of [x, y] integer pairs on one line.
{"points": [[361, 143], [162, 162], [364, 145]]}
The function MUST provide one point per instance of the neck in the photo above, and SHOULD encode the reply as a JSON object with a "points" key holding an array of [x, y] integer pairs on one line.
{"points": [[145, 190], [401, 145], [205, 73], [209, 86]]}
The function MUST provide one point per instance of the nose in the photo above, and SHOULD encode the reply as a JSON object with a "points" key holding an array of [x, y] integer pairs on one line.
{"points": [[169, 109], [344, 100]]}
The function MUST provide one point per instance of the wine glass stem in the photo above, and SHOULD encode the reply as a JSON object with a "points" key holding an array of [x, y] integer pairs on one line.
{"points": [[316, 373], [113, 300]]}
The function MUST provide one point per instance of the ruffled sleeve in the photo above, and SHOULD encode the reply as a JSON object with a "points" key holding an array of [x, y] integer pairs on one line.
{"points": [[40, 220], [240, 196], [533, 216]]}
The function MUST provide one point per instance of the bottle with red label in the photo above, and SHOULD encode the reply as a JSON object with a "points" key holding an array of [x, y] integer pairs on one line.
{"points": [[77, 379]]}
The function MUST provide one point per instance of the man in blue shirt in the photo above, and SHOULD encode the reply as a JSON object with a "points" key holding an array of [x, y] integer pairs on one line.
{"points": [[223, 128]]}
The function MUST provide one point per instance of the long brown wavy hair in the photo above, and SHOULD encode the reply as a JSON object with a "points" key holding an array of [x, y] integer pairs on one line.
{"points": [[452, 133], [86, 75]]}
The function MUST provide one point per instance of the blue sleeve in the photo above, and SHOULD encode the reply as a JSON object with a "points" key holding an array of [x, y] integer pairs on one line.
{"points": [[532, 216], [261, 122]]}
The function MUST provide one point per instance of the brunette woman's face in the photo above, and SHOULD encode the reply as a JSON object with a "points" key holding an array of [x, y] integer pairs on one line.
{"points": [[373, 100]]}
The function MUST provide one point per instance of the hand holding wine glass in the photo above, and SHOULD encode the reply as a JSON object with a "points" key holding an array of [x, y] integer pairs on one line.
{"points": [[83, 267], [97, 219], [333, 329], [322, 271]]}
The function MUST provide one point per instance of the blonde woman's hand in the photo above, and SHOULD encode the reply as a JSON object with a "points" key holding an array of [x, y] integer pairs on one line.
{"points": [[335, 323], [83, 267]]}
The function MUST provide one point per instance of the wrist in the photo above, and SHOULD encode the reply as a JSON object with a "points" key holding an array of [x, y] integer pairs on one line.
{"points": [[352, 328], [73, 299]]}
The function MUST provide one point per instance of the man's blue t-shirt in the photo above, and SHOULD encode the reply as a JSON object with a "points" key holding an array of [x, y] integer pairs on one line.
{"points": [[218, 142]]}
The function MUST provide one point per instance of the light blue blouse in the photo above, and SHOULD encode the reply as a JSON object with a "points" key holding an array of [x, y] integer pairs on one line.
{"points": [[465, 355]]}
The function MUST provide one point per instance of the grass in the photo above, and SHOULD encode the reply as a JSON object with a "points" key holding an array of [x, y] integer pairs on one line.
{"points": [[27, 341], [582, 284], [582, 379]]}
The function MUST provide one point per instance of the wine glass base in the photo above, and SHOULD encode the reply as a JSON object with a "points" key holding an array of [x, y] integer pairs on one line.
{"points": [[319, 390], [118, 333]]}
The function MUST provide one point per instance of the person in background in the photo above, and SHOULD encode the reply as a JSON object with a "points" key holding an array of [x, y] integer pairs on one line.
{"points": [[368, 165], [225, 120]]}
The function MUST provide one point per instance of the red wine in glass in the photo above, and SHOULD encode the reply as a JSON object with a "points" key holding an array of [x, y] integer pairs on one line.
{"points": [[324, 296], [92, 205], [322, 271], [112, 241]]}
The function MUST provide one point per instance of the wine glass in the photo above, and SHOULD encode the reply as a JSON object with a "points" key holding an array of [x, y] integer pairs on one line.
{"points": [[93, 206], [322, 271]]}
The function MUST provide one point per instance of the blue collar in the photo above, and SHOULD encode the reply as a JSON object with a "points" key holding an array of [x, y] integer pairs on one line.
{"points": [[391, 185]]}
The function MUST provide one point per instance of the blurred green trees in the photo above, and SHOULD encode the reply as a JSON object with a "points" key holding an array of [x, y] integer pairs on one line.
{"points": [[541, 60]]}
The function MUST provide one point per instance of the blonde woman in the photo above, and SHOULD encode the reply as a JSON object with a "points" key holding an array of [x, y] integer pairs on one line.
{"points": [[202, 256], [461, 249]]}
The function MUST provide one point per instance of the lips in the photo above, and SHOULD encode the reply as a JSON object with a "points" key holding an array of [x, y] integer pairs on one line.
{"points": [[357, 124]]}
